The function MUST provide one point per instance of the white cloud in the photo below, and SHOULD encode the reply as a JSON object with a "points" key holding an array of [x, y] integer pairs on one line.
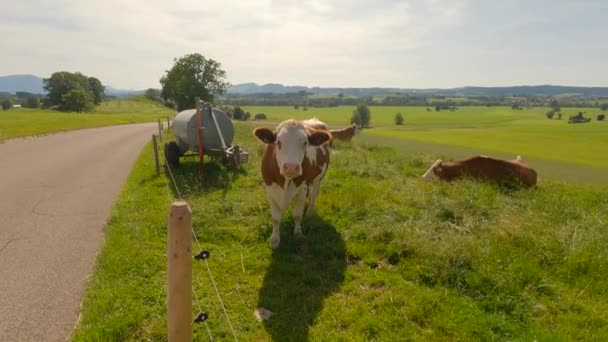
{"points": [[327, 43]]}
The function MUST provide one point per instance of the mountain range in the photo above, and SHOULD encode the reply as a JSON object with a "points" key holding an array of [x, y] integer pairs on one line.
{"points": [[537, 90], [33, 84]]}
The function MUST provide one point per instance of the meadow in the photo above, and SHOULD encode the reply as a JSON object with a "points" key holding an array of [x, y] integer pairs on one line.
{"points": [[560, 150], [387, 257], [21, 122]]}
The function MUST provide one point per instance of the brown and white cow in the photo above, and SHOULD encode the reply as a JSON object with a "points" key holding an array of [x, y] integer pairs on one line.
{"points": [[316, 124], [483, 168], [345, 134], [293, 165]]}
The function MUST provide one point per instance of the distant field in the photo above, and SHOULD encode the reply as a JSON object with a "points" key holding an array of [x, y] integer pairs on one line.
{"points": [[500, 129], [20, 122]]}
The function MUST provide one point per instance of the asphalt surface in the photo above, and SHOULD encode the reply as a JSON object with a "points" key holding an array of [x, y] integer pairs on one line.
{"points": [[56, 193]]}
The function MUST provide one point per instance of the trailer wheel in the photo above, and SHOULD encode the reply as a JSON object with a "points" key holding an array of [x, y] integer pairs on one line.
{"points": [[172, 153]]}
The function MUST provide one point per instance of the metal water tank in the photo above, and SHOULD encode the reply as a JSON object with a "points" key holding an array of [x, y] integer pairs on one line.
{"points": [[185, 130]]}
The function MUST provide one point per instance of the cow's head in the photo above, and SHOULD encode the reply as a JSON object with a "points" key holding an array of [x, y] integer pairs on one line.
{"points": [[291, 138], [431, 174]]}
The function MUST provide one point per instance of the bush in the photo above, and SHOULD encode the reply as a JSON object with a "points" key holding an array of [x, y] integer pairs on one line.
{"points": [[398, 119], [361, 116], [238, 113], [7, 104], [356, 118], [559, 116], [601, 117], [550, 114], [604, 106]]}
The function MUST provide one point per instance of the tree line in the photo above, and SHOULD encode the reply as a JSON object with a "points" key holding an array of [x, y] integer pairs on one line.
{"points": [[433, 101]]}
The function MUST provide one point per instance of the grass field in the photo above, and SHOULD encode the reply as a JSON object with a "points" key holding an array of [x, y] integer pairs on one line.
{"points": [[388, 257], [499, 129], [20, 122]]}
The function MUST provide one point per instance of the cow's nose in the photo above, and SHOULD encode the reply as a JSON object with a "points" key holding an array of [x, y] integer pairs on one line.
{"points": [[291, 169]]}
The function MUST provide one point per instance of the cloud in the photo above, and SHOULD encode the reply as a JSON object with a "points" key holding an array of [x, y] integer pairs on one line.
{"points": [[328, 43]]}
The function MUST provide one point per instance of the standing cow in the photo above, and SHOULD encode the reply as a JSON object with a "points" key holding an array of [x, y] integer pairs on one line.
{"points": [[483, 168], [345, 134], [293, 165]]}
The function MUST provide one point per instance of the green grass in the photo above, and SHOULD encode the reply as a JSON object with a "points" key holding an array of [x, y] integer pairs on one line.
{"points": [[387, 257], [20, 122], [490, 129]]}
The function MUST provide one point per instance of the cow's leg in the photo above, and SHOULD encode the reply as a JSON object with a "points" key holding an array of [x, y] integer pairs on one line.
{"points": [[298, 210], [275, 212]]}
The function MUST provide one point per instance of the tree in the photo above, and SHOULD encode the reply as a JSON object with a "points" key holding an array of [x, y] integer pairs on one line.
{"points": [[153, 94], [604, 106], [60, 83], [238, 113], [550, 114], [7, 104], [193, 76], [32, 101], [356, 118], [364, 115], [601, 117], [247, 116], [22, 95], [77, 100], [554, 104], [97, 89], [398, 119]]}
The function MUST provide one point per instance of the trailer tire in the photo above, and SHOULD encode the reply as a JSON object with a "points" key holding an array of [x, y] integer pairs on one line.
{"points": [[172, 153]]}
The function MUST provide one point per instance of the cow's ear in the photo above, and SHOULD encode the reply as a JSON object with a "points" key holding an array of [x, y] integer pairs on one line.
{"points": [[318, 138], [265, 135]]}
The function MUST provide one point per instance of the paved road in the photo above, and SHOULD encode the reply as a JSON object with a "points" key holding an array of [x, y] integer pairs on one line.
{"points": [[56, 193]]}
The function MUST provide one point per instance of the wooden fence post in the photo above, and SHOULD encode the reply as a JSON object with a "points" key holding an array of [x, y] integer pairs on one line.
{"points": [[160, 129], [179, 273], [155, 147]]}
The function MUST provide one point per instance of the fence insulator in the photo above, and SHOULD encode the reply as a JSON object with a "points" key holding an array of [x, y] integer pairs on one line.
{"points": [[201, 317], [202, 255]]}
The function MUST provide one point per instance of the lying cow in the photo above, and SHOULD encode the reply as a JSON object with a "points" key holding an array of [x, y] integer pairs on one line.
{"points": [[345, 134], [294, 163], [483, 168]]}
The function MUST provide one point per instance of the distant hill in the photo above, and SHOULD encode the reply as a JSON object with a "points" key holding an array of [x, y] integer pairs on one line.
{"points": [[33, 84], [539, 90], [28, 83]]}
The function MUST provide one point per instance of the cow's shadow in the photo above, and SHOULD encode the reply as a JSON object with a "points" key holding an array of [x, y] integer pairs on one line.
{"points": [[302, 273]]}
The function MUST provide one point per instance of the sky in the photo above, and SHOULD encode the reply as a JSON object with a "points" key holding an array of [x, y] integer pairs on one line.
{"points": [[333, 43]]}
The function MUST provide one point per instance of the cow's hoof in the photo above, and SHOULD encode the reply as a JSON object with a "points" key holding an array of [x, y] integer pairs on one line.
{"points": [[274, 243]]}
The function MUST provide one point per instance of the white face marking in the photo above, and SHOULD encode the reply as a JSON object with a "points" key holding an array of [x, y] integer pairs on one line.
{"points": [[429, 175], [292, 142]]}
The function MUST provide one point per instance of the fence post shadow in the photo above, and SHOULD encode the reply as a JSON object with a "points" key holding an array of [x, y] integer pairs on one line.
{"points": [[302, 273]]}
